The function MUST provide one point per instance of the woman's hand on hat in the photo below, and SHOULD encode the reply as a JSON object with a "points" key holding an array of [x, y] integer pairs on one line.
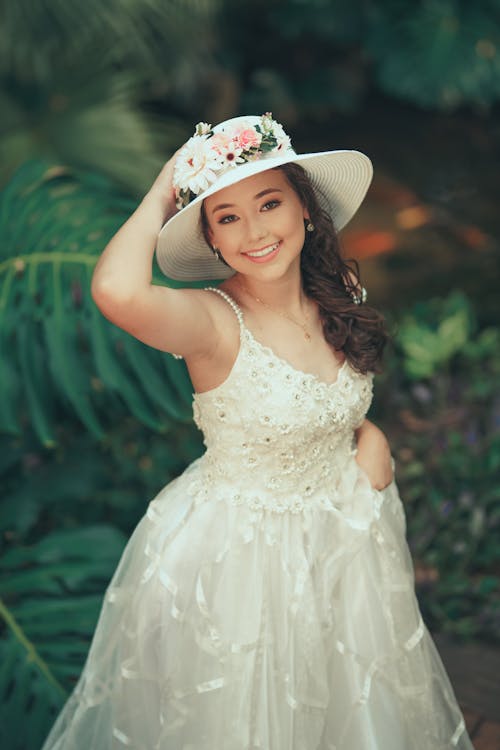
{"points": [[163, 189], [374, 455]]}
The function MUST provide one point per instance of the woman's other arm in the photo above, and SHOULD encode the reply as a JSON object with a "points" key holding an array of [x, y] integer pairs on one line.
{"points": [[374, 454]]}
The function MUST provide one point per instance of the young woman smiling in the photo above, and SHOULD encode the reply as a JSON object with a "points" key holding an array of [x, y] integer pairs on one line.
{"points": [[266, 598]]}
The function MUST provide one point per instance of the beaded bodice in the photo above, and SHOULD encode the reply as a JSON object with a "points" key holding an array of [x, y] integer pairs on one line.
{"points": [[273, 428]]}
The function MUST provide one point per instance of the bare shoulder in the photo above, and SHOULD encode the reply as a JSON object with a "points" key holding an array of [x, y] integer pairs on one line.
{"points": [[205, 326], [209, 369], [213, 302], [188, 322]]}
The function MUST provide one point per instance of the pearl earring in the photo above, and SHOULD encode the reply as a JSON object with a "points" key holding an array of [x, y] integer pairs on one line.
{"points": [[310, 226]]}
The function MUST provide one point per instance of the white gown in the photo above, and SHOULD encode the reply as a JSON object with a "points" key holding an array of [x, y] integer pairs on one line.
{"points": [[266, 598]]}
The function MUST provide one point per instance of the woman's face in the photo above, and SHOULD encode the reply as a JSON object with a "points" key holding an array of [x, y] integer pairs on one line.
{"points": [[258, 224]]}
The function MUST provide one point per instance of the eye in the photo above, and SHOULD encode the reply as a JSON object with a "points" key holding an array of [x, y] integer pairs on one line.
{"points": [[227, 219], [271, 204]]}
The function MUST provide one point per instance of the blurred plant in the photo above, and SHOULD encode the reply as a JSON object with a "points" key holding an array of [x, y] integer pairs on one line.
{"points": [[60, 544], [440, 404], [73, 78], [49, 589], [434, 334], [318, 56], [56, 349], [105, 86], [439, 53]]}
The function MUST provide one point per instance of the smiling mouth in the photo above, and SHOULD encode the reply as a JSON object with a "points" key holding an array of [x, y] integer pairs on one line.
{"points": [[262, 253]]}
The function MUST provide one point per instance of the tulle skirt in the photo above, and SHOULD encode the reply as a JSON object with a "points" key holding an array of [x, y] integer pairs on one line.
{"points": [[232, 627]]}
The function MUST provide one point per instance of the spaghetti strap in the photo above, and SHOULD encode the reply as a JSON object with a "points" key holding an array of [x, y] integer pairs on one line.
{"points": [[231, 301], [233, 304]]}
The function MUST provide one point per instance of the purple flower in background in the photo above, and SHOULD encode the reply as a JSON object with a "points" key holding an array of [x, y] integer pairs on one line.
{"points": [[441, 443], [446, 507], [471, 435]]}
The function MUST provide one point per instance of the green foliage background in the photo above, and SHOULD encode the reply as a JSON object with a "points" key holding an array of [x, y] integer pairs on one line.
{"points": [[92, 422]]}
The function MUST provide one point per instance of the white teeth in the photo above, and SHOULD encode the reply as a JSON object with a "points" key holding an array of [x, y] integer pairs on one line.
{"points": [[265, 251]]}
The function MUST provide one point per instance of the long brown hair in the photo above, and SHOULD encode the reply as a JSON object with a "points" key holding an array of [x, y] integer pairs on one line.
{"points": [[358, 330]]}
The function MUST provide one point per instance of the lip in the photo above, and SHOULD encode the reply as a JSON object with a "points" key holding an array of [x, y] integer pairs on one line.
{"points": [[264, 258]]}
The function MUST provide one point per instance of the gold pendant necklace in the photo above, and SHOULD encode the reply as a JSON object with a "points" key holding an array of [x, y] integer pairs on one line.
{"points": [[278, 312]]}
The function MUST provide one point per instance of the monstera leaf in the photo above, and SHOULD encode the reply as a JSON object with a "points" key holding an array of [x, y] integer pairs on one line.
{"points": [[56, 349], [51, 594]]}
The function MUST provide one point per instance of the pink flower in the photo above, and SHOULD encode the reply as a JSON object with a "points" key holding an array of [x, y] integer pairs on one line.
{"points": [[247, 138], [227, 148], [220, 142]]}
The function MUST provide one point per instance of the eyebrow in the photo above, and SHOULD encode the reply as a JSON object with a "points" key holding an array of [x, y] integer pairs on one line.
{"points": [[259, 195]]}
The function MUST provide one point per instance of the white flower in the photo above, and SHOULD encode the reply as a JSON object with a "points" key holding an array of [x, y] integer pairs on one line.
{"points": [[231, 155], [267, 122], [196, 166], [227, 149], [203, 128], [282, 138]]}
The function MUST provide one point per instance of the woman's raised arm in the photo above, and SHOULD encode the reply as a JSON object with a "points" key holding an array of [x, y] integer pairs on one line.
{"points": [[173, 320]]}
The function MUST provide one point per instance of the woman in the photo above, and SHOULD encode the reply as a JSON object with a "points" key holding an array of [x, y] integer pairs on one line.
{"points": [[266, 599]]}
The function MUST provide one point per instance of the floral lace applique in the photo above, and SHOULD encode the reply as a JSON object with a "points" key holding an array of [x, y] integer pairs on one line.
{"points": [[288, 432]]}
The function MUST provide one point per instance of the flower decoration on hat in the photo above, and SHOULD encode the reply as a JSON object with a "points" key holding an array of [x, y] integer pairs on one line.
{"points": [[209, 154]]}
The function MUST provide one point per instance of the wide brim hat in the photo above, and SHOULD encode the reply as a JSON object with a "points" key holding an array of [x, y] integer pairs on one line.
{"points": [[340, 179]]}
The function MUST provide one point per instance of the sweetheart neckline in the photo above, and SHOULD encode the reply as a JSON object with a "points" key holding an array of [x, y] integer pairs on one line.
{"points": [[302, 373], [284, 362]]}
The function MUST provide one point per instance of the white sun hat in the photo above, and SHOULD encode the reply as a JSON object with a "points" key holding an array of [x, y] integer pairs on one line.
{"points": [[215, 158]]}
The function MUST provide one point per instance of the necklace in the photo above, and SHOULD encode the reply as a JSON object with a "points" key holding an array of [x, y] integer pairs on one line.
{"points": [[278, 312]]}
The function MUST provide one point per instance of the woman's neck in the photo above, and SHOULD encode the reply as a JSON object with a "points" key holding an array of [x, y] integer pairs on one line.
{"points": [[285, 294]]}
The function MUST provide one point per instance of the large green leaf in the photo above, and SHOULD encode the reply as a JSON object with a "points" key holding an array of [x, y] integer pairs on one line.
{"points": [[57, 351], [432, 339], [29, 698], [51, 593]]}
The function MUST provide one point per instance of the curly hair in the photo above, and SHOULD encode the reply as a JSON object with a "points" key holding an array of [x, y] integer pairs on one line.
{"points": [[357, 330]]}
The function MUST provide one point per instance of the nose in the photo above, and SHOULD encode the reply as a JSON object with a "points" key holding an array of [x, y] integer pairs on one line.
{"points": [[256, 231]]}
